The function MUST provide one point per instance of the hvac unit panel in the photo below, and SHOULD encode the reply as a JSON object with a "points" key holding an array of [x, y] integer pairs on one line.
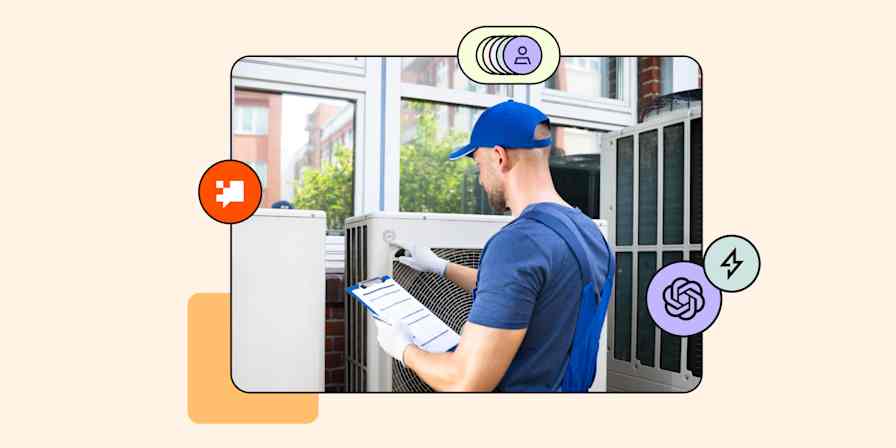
{"points": [[651, 189], [277, 302], [457, 238], [447, 301]]}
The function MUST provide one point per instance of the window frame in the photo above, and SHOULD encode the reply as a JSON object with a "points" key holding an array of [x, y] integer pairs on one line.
{"points": [[357, 98], [564, 109], [253, 118], [339, 65], [374, 84], [617, 113]]}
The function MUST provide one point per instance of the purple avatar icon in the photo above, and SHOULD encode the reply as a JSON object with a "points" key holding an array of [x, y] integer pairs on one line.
{"points": [[681, 300], [522, 55], [508, 55]]}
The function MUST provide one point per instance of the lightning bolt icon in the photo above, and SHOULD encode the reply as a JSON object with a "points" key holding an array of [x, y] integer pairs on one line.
{"points": [[730, 260]]}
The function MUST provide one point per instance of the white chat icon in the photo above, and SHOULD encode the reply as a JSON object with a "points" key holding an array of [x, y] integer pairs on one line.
{"points": [[234, 192]]}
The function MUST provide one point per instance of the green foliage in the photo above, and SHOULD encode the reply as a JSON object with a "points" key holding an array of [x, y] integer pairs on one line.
{"points": [[328, 189], [429, 181]]}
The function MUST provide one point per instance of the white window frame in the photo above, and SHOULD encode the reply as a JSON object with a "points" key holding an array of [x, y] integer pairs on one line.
{"points": [[254, 127], [347, 65], [305, 76], [374, 84], [605, 113], [396, 91]]}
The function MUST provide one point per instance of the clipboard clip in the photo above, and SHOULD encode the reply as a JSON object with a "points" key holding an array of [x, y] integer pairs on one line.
{"points": [[367, 283]]}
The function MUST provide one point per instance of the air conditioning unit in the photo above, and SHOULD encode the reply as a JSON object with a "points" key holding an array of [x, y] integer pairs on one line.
{"points": [[457, 238], [277, 301], [652, 191]]}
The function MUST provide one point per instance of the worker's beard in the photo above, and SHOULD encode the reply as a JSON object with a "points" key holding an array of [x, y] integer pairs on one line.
{"points": [[496, 198]]}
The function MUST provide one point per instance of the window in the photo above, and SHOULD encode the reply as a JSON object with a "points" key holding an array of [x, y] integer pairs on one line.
{"points": [[446, 73], [575, 167], [250, 120], [570, 141], [261, 170], [302, 148], [678, 74], [588, 77], [429, 181]]}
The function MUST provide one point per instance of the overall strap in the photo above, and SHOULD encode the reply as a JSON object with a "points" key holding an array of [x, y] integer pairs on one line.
{"points": [[572, 239], [581, 363], [607, 288], [576, 244]]}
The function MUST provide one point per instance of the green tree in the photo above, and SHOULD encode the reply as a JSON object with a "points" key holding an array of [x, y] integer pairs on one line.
{"points": [[429, 181], [328, 189]]}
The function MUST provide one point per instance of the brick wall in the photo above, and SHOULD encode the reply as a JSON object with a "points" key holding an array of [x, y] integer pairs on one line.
{"points": [[649, 82], [334, 350]]}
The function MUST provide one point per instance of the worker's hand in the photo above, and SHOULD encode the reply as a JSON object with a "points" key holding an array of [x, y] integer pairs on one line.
{"points": [[421, 258], [394, 339]]}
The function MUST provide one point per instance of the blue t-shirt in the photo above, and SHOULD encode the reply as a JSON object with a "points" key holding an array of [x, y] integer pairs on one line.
{"points": [[529, 278]]}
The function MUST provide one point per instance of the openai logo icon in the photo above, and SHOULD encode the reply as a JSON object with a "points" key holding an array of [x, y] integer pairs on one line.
{"points": [[681, 300]]}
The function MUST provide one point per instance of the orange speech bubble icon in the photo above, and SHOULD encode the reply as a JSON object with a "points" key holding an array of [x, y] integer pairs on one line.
{"points": [[230, 191]]}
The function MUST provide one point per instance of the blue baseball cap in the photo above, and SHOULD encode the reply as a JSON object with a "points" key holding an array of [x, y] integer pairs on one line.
{"points": [[508, 124]]}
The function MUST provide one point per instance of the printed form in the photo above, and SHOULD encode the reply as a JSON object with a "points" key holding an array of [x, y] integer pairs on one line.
{"points": [[392, 303]]}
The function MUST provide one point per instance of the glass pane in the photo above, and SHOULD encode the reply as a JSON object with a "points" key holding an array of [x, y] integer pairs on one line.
{"points": [[670, 345], [647, 186], [622, 320], [697, 181], [302, 148], [673, 184], [624, 190], [575, 167], [429, 181], [570, 141], [446, 73], [646, 343], [588, 77], [260, 118]]}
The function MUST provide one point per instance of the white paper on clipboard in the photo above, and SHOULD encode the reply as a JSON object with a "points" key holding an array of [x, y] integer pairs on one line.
{"points": [[392, 303]]}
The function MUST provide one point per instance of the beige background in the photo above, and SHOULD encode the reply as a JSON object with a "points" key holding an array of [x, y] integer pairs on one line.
{"points": [[110, 114]]}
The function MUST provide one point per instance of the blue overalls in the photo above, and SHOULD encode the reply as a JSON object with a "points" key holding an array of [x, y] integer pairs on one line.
{"points": [[582, 362]]}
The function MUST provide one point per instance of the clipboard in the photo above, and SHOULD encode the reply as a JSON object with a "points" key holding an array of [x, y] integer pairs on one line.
{"points": [[389, 302]]}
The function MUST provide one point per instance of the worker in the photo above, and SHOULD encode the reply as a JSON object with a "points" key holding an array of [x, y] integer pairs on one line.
{"points": [[542, 287]]}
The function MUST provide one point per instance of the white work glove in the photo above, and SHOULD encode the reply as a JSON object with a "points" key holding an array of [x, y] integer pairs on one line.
{"points": [[421, 258], [394, 339]]}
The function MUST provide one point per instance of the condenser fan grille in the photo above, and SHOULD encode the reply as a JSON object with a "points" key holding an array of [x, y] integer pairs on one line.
{"points": [[447, 301]]}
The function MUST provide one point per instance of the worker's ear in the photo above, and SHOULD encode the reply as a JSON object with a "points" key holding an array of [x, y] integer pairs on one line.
{"points": [[502, 158]]}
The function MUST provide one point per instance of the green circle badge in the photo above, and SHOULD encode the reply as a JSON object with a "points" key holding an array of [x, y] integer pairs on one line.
{"points": [[731, 263]]}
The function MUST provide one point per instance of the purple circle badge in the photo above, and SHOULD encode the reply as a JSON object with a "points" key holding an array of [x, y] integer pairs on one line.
{"points": [[522, 55], [681, 300]]}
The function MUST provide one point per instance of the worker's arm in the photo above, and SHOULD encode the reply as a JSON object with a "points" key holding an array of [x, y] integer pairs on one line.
{"points": [[422, 259], [461, 276], [478, 364]]}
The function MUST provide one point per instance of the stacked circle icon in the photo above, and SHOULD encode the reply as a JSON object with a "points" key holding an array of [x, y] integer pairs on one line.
{"points": [[683, 298], [508, 55]]}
